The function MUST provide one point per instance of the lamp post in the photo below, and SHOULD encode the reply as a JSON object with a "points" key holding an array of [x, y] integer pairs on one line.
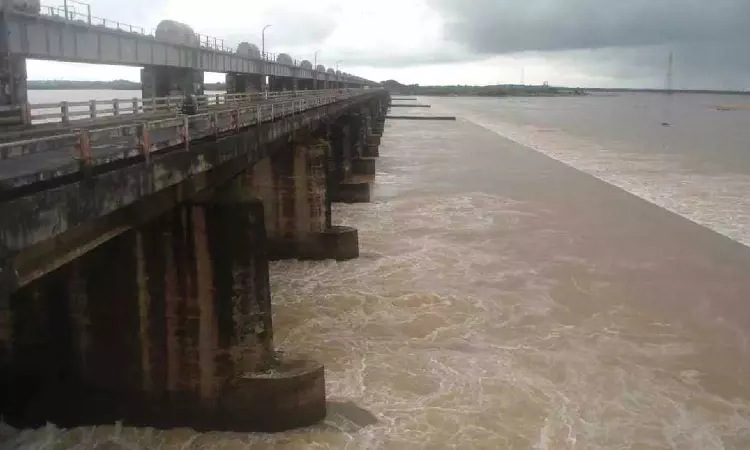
{"points": [[263, 56], [263, 40], [315, 69], [338, 80]]}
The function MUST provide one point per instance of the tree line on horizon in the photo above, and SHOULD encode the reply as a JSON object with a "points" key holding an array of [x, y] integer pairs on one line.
{"points": [[479, 91]]}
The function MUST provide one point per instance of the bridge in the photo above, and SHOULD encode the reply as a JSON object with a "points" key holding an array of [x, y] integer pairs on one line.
{"points": [[134, 259], [135, 236], [173, 57]]}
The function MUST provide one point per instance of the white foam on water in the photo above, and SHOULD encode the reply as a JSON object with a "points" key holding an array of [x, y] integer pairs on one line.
{"points": [[716, 201]]}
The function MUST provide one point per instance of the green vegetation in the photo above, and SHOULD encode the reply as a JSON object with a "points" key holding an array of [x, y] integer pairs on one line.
{"points": [[481, 91]]}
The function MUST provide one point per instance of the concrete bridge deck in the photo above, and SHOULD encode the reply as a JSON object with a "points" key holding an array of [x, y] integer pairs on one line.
{"points": [[142, 156], [49, 151]]}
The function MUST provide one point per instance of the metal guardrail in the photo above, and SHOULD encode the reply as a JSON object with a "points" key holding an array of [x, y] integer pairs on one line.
{"points": [[76, 11], [179, 129], [67, 112]]}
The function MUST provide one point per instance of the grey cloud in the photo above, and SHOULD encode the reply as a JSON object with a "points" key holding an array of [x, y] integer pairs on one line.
{"points": [[696, 65], [396, 61], [289, 32], [505, 26], [625, 39], [295, 29]]}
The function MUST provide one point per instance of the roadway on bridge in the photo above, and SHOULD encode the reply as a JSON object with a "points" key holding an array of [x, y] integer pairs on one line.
{"points": [[59, 157]]}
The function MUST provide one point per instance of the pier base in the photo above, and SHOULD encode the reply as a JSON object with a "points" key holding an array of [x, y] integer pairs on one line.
{"points": [[352, 192], [371, 151], [288, 395], [363, 166], [339, 243], [167, 325], [373, 139]]}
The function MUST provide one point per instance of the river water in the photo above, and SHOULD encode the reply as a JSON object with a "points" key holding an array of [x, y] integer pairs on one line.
{"points": [[507, 298]]}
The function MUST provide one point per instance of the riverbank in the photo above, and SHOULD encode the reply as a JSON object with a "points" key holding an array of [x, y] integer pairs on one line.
{"points": [[519, 94]]}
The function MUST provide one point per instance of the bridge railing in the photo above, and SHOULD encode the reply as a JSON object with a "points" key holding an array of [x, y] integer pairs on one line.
{"points": [[67, 112], [81, 12], [148, 136]]}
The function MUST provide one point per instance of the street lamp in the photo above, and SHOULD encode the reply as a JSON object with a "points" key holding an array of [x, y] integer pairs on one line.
{"points": [[263, 56], [315, 69], [263, 40], [337, 64]]}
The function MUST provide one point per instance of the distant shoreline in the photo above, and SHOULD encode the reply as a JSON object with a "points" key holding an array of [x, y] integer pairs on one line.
{"points": [[529, 90], [485, 91], [566, 93], [665, 91], [518, 94]]}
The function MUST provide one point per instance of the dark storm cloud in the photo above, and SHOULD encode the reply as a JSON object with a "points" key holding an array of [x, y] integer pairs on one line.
{"points": [[506, 26], [705, 65], [627, 40], [396, 61]]}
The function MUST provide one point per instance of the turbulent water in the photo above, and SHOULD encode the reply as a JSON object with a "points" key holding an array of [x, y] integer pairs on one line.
{"points": [[698, 167], [505, 300]]}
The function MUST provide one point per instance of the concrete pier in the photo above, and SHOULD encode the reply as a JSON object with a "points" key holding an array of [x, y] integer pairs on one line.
{"points": [[239, 83], [372, 146], [161, 81], [351, 191], [355, 148], [13, 92], [292, 184], [364, 166], [166, 325], [280, 84]]}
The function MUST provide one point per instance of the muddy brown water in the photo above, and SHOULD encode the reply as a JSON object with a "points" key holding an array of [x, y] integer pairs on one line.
{"points": [[505, 299]]}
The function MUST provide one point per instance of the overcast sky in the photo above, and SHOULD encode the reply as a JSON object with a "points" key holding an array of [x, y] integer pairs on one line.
{"points": [[593, 43]]}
